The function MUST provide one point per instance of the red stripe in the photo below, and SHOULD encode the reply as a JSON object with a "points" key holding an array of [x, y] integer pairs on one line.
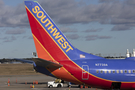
{"points": [[77, 72], [58, 55], [45, 39]]}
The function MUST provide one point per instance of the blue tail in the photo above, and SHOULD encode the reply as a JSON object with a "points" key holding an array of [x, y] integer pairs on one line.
{"points": [[48, 36]]}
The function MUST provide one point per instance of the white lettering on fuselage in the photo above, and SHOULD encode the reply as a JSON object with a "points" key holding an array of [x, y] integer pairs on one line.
{"points": [[101, 64]]}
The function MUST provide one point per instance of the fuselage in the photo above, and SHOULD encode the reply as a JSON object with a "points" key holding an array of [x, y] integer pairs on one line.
{"points": [[74, 65], [102, 72]]}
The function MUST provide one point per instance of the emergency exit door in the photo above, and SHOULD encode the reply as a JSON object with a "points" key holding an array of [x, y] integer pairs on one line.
{"points": [[85, 72]]}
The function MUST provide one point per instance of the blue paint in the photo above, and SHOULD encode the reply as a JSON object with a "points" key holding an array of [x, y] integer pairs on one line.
{"points": [[61, 40], [43, 71], [113, 65]]}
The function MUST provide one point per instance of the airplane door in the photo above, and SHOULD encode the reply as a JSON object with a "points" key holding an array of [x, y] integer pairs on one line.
{"points": [[85, 74]]}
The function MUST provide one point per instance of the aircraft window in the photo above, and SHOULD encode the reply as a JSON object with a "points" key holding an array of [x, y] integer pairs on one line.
{"points": [[121, 71], [105, 71], [117, 71], [133, 71], [125, 71], [113, 71], [109, 71], [101, 71], [97, 71], [129, 71]]}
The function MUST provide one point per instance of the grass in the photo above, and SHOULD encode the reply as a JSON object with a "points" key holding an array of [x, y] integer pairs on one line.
{"points": [[17, 69]]}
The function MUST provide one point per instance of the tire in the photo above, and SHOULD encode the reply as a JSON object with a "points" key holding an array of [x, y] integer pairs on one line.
{"points": [[50, 86], [59, 86]]}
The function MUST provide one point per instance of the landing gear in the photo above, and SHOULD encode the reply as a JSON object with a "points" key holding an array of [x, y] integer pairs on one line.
{"points": [[59, 86]]}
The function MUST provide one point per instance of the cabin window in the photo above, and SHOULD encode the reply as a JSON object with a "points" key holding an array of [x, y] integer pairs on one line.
{"points": [[121, 71], [125, 71], [117, 71], [101, 71], [133, 71], [113, 71], [129, 71], [109, 71], [97, 71], [105, 71]]}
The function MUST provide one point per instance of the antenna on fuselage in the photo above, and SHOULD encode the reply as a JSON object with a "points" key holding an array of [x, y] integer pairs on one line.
{"points": [[127, 53]]}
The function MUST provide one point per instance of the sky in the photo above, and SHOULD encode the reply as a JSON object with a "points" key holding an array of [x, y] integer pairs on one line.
{"points": [[105, 27]]}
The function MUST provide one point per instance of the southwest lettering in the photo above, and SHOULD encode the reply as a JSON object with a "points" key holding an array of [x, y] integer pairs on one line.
{"points": [[35, 11], [56, 34], [43, 19], [65, 44], [48, 22], [40, 16], [70, 48], [51, 28], [61, 40]]}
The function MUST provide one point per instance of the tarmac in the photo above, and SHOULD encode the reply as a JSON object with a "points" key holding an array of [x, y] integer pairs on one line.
{"points": [[24, 82]]}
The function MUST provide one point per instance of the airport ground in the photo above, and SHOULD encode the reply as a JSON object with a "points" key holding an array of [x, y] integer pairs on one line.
{"points": [[22, 76]]}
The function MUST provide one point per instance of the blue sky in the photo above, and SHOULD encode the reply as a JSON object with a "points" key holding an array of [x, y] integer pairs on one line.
{"points": [[93, 26]]}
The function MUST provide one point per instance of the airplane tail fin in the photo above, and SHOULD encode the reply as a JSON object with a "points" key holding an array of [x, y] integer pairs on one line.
{"points": [[50, 43]]}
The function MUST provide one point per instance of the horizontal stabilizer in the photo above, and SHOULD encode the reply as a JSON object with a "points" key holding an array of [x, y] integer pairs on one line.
{"points": [[23, 60], [45, 63]]}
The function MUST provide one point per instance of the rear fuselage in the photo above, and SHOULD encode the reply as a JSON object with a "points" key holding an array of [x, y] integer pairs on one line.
{"points": [[103, 72]]}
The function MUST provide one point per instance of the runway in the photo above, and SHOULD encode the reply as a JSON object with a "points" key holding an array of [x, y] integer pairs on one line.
{"points": [[23, 82], [22, 76]]}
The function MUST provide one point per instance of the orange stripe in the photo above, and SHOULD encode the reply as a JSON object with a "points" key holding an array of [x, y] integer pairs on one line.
{"points": [[48, 34], [57, 72], [60, 73], [42, 52], [63, 74]]}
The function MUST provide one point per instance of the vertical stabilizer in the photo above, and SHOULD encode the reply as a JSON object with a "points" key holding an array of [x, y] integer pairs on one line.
{"points": [[50, 43]]}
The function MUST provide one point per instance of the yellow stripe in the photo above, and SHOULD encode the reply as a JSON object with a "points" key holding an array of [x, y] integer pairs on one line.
{"points": [[54, 41], [68, 57], [48, 33], [43, 47], [73, 76], [53, 59]]}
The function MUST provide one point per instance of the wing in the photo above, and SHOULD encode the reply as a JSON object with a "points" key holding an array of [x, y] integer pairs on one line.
{"points": [[46, 63], [41, 63], [23, 60]]}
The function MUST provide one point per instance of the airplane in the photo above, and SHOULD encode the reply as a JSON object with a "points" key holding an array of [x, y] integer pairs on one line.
{"points": [[57, 57]]}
